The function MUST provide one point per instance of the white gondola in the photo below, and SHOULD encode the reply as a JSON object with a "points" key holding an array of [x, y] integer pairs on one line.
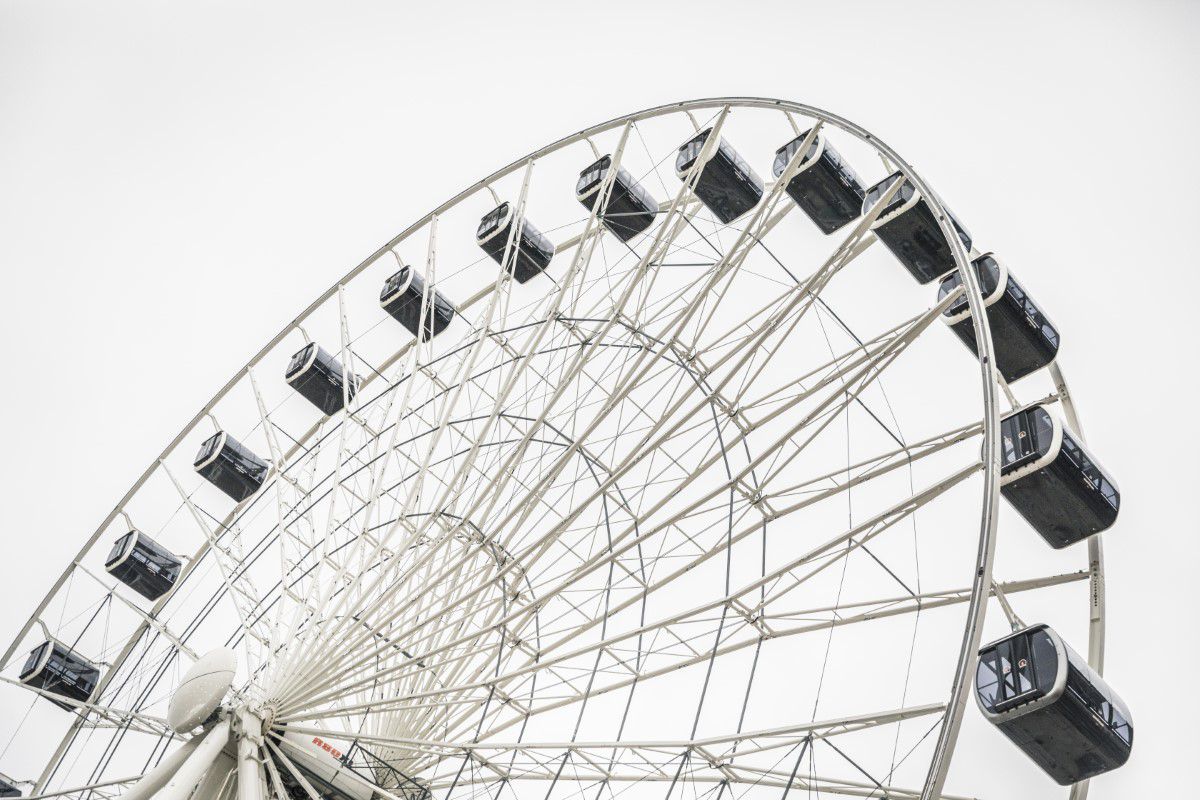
{"points": [[230, 466], [727, 185], [57, 669], [909, 229], [407, 297], [1023, 338], [531, 252], [630, 209], [824, 186], [143, 565], [1044, 697], [1051, 481], [319, 378]]}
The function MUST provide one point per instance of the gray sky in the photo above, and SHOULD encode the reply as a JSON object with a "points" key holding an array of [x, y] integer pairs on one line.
{"points": [[166, 166]]}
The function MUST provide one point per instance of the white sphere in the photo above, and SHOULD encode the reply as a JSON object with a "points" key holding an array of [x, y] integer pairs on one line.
{"points": [[202, 689]]}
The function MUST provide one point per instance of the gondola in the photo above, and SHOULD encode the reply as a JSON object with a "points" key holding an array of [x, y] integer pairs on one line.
{"points": [[1052, 481], [727, 186], [318, 377], [909, 229], [57, 669], [531, 250], [1044, 697], [630, 208], [408, 298], [1023, 337], [824, 186], [230, 466], [143, 565]]}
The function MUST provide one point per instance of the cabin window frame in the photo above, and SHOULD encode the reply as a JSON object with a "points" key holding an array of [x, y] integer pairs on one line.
{"points": [[118, 548], [593, 175], [35, 657], [903, 195], [298, 360], [1094, 477], [986, 288], [1032, 313], [784, 154], [699, 140], [492, 220], [1030, 657], [1036, 426]]}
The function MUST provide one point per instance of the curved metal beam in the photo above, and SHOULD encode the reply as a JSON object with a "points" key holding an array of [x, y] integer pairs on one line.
{"points": [[1095, 560]]}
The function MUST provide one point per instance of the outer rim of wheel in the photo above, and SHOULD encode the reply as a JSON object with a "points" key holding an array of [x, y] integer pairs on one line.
{"points": [[982, 579]]}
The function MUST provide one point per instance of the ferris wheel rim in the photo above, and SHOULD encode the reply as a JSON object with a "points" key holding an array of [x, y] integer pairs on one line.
{"points": [[989, 378]]}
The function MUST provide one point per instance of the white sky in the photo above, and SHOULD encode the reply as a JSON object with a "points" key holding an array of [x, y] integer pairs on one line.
{"points": [[168, 167]]}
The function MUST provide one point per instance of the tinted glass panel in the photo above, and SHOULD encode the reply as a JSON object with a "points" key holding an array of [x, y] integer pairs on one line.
{"points": [[241, 456], [592, 175], [119, 547], [1032, 313], [691, 150], [1121, 727], [1091, 696], [1025, 435], [988, 272], [733, 155], [208, 448], [1045, 660], [1043, 429], [1009, 674], [1049, 333], [1088, 470], [298, 360], [394, 282], [876, 192], [784, 154], [34, 658], [1016, 440], [491, 220]]}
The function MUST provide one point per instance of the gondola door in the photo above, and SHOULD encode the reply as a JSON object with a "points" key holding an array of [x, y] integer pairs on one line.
{"points": [[1010, 665], [1016, 442]]}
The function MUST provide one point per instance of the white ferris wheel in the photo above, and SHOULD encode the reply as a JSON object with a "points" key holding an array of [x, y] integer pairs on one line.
{"points": [[641, 468]]}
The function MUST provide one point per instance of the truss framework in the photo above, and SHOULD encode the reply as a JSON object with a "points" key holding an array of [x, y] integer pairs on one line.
{"points": [[484, 538]]}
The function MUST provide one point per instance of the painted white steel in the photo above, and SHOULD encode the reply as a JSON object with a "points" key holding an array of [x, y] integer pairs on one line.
{"points": [[154, 780], [197, 764], [201, 689], [307, 684]]}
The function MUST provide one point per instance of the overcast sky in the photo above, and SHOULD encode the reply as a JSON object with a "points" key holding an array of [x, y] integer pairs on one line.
{"points": [[178, 180]]}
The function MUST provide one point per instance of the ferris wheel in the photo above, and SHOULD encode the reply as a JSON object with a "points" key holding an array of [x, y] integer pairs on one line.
{"points": [[649, 466]]}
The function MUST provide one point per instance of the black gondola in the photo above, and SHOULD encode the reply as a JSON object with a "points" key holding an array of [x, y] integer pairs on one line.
{"points": [[630, 208], [1052, 481], [318, 377], [404, 297], [727, 186], [1044, 697], [909, 229], [532, 249], [1023, 338], [143, 565], [230, 466], [824, 186], [55, 668], [8, 790]]}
